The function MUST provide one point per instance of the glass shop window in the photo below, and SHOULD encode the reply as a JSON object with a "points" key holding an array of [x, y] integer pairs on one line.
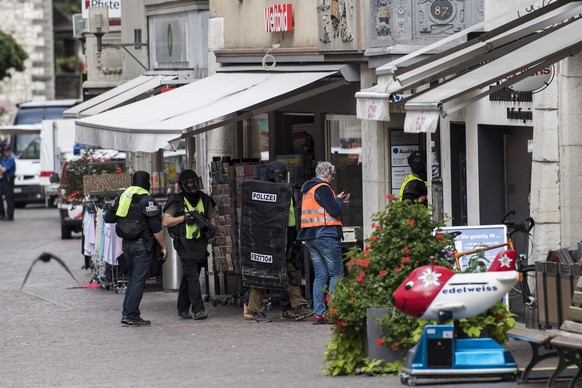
{"points": [[344, 144]]}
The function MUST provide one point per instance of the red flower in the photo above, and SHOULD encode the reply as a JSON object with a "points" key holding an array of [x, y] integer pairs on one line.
{"points": [[389, 197], [373, 224], [352, 299], [397, 269], [333, 311], [383, 272], [405, 250], [366, 252], [379, 342], [378, 227], [327, 298], [394, 346], [410, 221], [360, 277], [374, 237], [406, 259], [366, 246], [440, 236], [341, 323], [422, 198]]}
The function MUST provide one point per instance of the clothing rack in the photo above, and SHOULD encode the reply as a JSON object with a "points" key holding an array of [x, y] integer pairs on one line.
{"points": [[101, 245]]}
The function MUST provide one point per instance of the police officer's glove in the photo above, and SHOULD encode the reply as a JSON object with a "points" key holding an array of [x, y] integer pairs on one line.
{"points": [[208, 233], [190, 219]]}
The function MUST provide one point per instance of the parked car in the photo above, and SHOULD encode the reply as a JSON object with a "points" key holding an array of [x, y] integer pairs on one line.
{"points": [[70, 194]]}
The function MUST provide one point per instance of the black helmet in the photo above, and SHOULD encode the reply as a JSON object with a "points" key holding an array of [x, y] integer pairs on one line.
{"points": [[189, 181], [417, 162], [276, 172]]}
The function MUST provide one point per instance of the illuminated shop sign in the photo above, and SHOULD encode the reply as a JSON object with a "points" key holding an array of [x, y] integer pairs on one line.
{"points": [[278, 18]]}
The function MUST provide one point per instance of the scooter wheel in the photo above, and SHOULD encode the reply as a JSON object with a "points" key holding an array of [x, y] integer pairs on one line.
{"points": [[412, 381]]}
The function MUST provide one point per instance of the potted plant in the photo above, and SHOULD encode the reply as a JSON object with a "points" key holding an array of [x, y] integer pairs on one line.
{"points": [[403, 238]]}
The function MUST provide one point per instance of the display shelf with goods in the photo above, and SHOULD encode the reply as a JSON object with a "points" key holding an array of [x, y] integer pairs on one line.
{"points": [[224, 272]]}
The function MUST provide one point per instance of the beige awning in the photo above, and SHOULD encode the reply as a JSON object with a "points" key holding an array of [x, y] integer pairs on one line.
{"points": [[160, 121], [138, 88]]}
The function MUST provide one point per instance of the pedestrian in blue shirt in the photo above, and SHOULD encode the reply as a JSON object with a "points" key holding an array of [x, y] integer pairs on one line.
{"points": [[7, 174]]}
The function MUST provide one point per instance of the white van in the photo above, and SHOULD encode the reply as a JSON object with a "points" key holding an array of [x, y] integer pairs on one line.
{"points": [[57, 139], [27, 148]]}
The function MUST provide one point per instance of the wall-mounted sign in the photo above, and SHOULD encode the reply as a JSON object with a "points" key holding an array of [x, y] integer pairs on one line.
{"points": [[113, 5], [534, 82], [278, 18]]}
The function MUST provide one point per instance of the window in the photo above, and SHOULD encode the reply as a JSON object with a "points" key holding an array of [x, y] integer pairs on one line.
{"points": [[344, 139]]}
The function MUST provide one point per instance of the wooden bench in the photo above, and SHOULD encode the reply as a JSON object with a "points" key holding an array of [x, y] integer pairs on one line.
{"points": [[539, 341], [566, 342]]}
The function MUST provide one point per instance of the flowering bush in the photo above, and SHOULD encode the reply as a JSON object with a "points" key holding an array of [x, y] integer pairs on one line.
{"points": [[402, 240]]}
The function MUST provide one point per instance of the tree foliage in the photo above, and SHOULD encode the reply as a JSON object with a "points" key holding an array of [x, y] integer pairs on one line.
{"points": [[12, 55]]}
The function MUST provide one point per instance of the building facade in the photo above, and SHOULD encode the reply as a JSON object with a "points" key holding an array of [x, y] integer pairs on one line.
{"points": [[483, 156], [30, 23]]}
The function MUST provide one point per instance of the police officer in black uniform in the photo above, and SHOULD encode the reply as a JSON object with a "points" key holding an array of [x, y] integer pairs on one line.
{"points": [[414, 185], [139, 222], [188, 215]]}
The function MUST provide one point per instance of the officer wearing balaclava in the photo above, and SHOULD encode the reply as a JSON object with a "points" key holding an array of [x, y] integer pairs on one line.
{"points": [[187, 215], [414, 186], [138, 222]]}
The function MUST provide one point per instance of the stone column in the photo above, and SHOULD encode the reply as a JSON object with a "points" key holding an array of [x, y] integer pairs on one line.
{"points": [[545, 180], [219, 141], [375, 153], [570, 150]]}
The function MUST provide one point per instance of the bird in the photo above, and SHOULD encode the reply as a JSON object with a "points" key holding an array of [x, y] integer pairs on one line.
{"points": [[434, 292], [46, 257]]}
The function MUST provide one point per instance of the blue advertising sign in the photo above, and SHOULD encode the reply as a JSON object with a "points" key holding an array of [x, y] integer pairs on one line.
{"points": [[475, 237]]}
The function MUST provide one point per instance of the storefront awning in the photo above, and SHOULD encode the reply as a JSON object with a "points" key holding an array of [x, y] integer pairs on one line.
{"points": [[160, 121], [20, 129], [514, 50], [128, 92]]}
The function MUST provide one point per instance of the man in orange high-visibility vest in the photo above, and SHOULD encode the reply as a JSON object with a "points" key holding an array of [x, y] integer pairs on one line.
{"points": [[321, 231]]}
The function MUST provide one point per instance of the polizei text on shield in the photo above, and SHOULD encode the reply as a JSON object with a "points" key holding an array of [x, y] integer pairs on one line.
{"points": [[265, 197]]}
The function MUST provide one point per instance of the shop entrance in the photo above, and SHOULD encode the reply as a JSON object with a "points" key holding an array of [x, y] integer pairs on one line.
{"points": [[504, 173]]}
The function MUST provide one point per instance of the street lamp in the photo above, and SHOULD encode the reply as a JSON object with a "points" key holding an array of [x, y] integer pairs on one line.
{"points": [[98, 23]]}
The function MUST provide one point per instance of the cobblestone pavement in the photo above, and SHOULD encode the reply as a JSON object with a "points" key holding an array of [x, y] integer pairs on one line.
{"points": [[52, 335]]}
